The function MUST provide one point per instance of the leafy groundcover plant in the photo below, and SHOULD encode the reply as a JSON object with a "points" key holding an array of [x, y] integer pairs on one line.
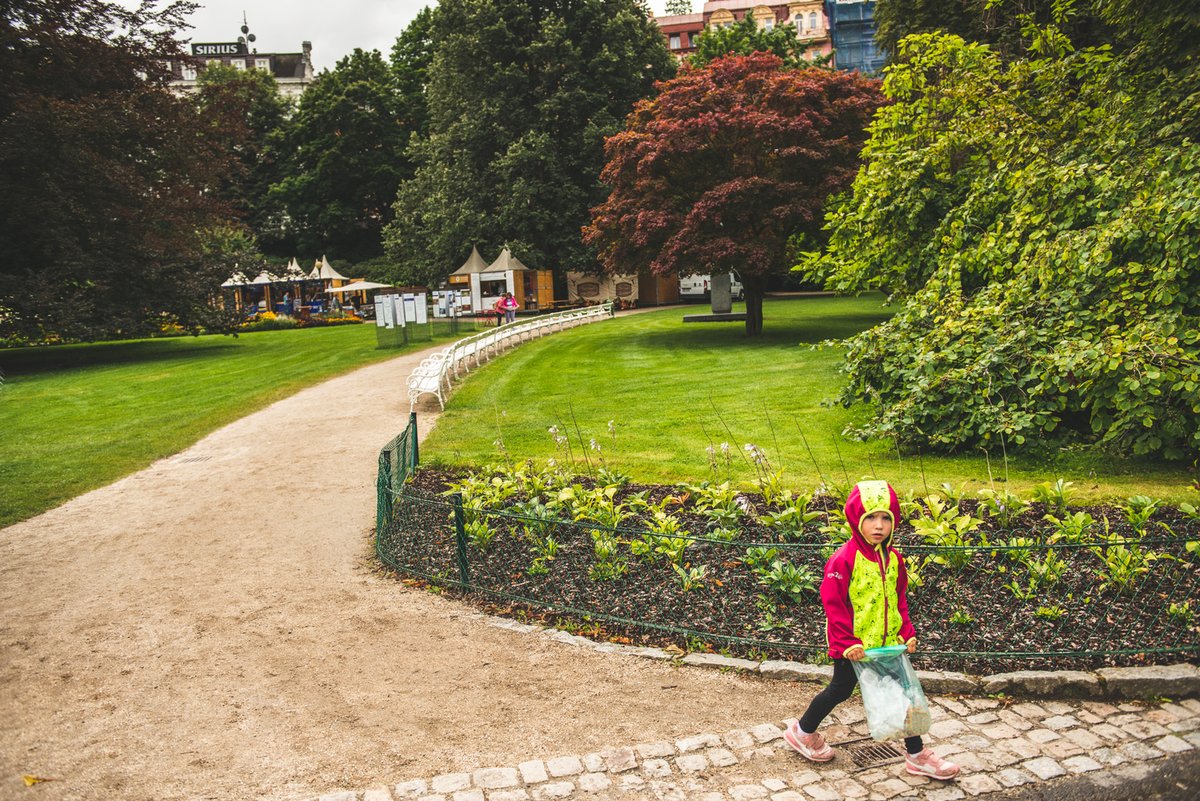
{"points": [[996, 583]]}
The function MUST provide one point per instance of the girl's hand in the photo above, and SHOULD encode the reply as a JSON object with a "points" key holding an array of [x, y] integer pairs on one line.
{"points": [[855, 653], [912, 645]]}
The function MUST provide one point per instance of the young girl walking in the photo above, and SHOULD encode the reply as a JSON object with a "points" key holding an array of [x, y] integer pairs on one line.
{"points": [[864, 593]]}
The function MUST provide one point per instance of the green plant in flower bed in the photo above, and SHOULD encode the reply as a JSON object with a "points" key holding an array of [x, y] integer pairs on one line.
{"points": [[950, 531], [1072, 528], [1002, 506], [1056, 495], [791, 521], [1138, 511], [755, 585]]}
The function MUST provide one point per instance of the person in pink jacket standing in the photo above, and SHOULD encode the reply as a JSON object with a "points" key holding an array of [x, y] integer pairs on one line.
{"points": [[865, 596]]}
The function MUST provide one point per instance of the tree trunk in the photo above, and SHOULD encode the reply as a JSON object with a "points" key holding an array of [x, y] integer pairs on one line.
{"points": [[754, 289]]}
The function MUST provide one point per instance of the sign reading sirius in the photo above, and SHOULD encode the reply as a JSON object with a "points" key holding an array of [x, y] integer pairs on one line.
{"points": [[218, 49]]}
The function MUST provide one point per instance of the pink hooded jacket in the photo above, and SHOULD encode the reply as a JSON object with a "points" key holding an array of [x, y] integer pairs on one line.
{"points": [[865, 589]]}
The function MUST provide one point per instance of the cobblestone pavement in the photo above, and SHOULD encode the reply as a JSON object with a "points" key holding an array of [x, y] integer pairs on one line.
{"points": [[999, 744]]}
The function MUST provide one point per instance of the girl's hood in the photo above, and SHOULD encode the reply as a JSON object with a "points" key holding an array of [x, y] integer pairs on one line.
{"points": [[866, 498]]}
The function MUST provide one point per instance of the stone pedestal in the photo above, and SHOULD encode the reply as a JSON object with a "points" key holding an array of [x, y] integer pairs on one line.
{"points": [[721, 293]]}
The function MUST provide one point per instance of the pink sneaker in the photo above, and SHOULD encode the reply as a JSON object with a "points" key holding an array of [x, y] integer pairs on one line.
{"points": [[810, 746], [928, 763]]}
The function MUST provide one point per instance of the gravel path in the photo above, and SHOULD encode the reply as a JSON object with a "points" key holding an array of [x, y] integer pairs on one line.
{"points": [[214, 627]]}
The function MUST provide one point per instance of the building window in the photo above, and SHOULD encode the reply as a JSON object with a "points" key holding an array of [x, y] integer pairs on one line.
{"points": [[187, 71], [676, 43], [262, 64], [237, 63], [812, 21]]}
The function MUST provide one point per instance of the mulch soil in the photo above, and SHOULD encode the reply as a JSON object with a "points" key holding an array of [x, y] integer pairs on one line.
{"points": [[966, 615]]}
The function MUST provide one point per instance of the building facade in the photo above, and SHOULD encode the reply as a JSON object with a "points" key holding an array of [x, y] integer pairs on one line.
{"points": [[293, 71], [845, 28]]}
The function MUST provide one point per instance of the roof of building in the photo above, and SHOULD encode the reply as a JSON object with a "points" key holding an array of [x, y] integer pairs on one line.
{"points": [[473, 264], [506, 261]]}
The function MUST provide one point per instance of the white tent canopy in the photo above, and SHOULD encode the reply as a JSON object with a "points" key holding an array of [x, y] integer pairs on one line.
{"points": [[359, 286], [322, 271], [264, 278], [473, 264]]}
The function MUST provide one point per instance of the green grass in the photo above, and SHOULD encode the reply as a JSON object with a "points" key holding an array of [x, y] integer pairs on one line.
{"points": [[673, 389], [77, 417]]}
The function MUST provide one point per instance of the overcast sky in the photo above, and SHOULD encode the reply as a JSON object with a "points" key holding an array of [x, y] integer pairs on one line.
{"points": [[335, 27]]}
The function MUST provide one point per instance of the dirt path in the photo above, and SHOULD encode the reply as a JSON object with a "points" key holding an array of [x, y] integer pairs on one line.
{"points": [[213, 627]]}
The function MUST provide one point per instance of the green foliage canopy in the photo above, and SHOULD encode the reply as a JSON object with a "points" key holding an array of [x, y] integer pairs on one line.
{"points": [[520, 98], [107, 180], [1039, 221]]}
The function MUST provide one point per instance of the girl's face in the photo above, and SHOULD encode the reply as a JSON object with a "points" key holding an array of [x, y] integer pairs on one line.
{"points": [[876, 527]]}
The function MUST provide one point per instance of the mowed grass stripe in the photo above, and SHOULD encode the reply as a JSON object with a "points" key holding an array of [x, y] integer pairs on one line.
{"points": [[673, 388]]}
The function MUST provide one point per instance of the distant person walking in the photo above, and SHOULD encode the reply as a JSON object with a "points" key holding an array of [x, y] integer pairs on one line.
{"points": [[509, 304]]}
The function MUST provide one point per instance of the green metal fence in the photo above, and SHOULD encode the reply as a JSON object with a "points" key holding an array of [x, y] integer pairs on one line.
{"points": [[1028, 599]]}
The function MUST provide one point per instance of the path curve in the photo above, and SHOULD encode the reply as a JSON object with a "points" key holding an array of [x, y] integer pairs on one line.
{"points": [[214, 627]]}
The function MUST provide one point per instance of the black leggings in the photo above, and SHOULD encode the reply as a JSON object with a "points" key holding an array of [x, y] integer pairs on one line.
{"points": [[842, 686]]}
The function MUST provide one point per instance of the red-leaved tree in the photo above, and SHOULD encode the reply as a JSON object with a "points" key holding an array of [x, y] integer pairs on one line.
{"points": [[725, 164]]}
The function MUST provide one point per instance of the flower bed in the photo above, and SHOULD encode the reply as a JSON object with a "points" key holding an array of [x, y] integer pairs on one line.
{"points": [[996, 583]]}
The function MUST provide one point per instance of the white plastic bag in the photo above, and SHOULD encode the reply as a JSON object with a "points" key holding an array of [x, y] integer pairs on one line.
{"points": [[892, 696]]}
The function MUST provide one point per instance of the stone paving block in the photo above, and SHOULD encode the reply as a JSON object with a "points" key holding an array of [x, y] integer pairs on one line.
{"points": [[1109, 756], [821, 792], [774, 785], [1000, 758], [848, 788], [1088, 717], [938, 682], [699, 741], [691, 763], [432, 798], [1010, 718], [1184, 726], [1144, 729], [795, 671], [1081, 764], [914, 781], [1108, 732], [788, 795], [508, 795], [721, 757], [890, 788], [850, 715], [496, 778], [1030, 711], [1058, 707], [738, 739], [982, 703], [631, 780], [805, 777], [970, 763], [973, 742], [1123, 719], [564, 766], [619, 760], [945, 729], [656, 768], [1176, 711], [411, 789], [956, 707], [978, 784], [1042, 736], [533, 771], [666, 791], [1044, 768], [1061, 749], [474, 794], [653, 750], [1023, 747], [872, 777], [1160, 716], [999, 731], [450, 782], [1060, 722], [1011, 777], [1193, 738], [1100, 708], [1142, 682], [766, 732], [593, 763], [594, 782], [720, 662], [1173, 745], [377, 794], [1192, 704], [748, 792], [1139, 751], [553, 790], [945, 794], [979, 718], [1083, 738]]}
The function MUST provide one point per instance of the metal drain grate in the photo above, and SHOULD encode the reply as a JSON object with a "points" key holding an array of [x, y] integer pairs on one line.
{"points": [[186, 459], [870, 754]]}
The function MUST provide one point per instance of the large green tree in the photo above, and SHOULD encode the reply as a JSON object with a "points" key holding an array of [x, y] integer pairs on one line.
{"points": [[106, 178], [243, 113], [520, 96], [341, 157], [1039, 222], [726, 165]]}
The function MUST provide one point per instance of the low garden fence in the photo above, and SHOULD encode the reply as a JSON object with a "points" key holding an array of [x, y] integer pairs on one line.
{"points": [[709, 568]]}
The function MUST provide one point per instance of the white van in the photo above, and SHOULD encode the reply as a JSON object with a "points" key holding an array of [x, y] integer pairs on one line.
{"points": [[696, 287]]}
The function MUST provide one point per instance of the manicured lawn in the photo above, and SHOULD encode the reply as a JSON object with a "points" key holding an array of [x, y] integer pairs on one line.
{"points": [[674, 389], [78, 417]]}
